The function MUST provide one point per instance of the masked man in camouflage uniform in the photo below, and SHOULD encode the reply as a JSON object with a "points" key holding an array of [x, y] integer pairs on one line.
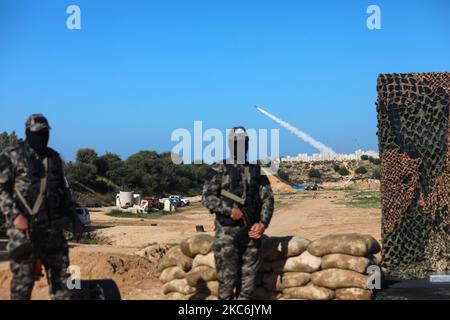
{"points": [[35, 198], [242, 200]]}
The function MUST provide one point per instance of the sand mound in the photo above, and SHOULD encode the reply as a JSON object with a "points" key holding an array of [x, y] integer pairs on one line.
{"points": [[278, 185], [128, 271]]}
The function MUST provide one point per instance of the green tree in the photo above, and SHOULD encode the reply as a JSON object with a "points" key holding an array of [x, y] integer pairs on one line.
{"points": [[86, 155], [7, 139], [361, 170], [314, 173], [283, 175], [343, 171], [364, 157], [81, 173], [107, 162]]}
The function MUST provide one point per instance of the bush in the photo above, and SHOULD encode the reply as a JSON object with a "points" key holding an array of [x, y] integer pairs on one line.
{"points": [[83, 173], [343, 171], [87, 156], [283, 175], [376, 161], [376, 174], [314, 173], [336, 167], [361, 170], [7, 139], [364, 157]]}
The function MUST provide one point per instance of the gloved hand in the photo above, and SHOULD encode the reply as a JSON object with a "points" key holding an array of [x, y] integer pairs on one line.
{"points": [[21, 223], [257, 230]]}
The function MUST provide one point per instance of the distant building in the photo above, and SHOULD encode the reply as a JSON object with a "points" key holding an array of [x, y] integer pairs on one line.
{"points": [[304, 157]]}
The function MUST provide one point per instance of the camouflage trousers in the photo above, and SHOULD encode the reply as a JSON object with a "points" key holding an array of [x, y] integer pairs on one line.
{"points": [[54, 255], [237, 262]]}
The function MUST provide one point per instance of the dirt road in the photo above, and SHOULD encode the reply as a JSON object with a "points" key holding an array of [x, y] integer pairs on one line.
{"points": [[307, 214]]}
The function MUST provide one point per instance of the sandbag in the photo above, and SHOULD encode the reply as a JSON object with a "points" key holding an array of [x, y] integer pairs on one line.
{"points": [[354, 244], [294, 279], [208, 288], [338, 278], [200, 243], [303, 263], [178, 285], [345, 261], [272, 282], [277, 248], [154, 252], [309, 292], [353, 294], [204, 260], [172, 273], [174, 257], [177, 296], [201, 274]]}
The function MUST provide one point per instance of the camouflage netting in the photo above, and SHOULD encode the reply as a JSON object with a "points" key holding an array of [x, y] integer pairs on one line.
{"points": [[414, 140]]}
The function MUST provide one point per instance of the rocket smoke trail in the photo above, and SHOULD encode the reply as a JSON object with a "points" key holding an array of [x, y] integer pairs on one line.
{"points": [[305, 137]]}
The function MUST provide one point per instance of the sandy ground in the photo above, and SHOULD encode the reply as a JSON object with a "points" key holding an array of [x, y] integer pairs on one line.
{"points": [[307, 214]]}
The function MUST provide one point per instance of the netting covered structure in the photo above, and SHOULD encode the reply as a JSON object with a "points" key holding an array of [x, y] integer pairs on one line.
{"points": [[413, 134]]}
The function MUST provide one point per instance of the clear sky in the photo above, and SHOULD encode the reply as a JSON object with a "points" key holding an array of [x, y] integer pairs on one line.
{"points": [[137, 70]]}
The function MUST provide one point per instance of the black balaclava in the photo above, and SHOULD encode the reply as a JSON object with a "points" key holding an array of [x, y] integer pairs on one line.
{"points": [[238, 144], [38, 140]]}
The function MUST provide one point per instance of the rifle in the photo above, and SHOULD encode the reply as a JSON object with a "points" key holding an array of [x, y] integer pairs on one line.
{"points": [[30, 245], [241, 204]]}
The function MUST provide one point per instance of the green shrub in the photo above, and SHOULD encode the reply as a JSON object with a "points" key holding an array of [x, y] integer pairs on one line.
{"points": [[361, 170], [343, 171], [314, 173]]}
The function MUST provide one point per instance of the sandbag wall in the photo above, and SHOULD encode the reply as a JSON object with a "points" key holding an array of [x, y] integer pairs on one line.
{"points": [[333, 267], [413, 133]]}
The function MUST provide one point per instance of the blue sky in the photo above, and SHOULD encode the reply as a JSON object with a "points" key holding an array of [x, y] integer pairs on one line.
{"points": [[137, 70]]}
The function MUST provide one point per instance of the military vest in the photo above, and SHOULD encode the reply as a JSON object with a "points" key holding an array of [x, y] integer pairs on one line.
{"points": [[243, 181], [30, 171]]}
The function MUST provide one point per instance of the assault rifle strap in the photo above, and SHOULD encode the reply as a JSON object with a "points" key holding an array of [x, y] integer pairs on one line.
{"points": [[41, 196]]}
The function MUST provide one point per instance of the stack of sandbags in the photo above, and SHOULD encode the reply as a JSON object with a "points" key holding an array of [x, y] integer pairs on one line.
{"points": [[188, 271], [345, 259], [285, 264], [332, 267]]}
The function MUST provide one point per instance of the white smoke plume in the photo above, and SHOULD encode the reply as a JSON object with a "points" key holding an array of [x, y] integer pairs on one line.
{"points": [[305, 137]]}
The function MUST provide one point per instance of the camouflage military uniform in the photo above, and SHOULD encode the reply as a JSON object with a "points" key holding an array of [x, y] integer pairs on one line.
{"points": [[237, 255], [22, 171]]}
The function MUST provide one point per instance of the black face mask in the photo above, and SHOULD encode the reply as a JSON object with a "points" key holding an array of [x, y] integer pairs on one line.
{"points": [[38, 140]]}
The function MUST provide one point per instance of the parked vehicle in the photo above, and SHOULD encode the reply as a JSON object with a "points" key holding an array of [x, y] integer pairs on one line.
{"points": [[179, 201], [312, 186], [185, 202]]}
